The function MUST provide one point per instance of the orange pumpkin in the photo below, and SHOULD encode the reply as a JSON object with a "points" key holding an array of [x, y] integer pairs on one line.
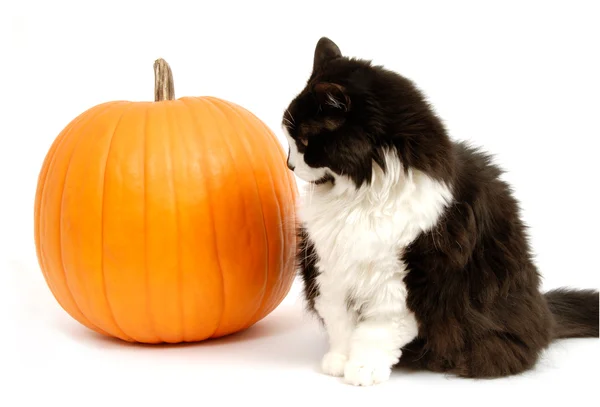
{"points": [[166, 221]]}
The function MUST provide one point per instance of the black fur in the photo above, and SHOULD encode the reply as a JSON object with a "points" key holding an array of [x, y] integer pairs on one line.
{"points": [[471, 283]]}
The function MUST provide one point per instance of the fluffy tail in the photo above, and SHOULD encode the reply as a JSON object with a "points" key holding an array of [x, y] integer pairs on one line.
{"points": [[575, 312]]}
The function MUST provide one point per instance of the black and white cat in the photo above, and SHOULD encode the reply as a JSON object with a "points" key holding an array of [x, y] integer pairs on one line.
{"points": [[412, 251]]}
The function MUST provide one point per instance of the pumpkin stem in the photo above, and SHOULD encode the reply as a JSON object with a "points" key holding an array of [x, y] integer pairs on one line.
{"points": [[164, 89]]}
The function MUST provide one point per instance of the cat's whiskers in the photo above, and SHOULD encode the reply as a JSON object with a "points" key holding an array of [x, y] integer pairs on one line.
{"points": [[291, 122], [288, 122]]}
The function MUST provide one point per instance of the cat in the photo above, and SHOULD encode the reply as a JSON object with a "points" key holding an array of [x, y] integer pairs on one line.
{"points": [[412, 252]]}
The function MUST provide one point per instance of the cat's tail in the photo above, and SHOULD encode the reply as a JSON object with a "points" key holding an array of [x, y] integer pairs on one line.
{"points": [[575, 312]]}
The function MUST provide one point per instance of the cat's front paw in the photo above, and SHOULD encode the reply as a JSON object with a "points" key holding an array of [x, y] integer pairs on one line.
{"points": [[333, 364], [366, 373]]}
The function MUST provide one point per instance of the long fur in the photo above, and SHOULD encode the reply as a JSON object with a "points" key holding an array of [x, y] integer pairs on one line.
{"points": [[412, 250]]}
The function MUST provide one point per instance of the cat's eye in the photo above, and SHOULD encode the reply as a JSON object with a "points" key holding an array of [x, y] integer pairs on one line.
{"points": [[303, 140]]}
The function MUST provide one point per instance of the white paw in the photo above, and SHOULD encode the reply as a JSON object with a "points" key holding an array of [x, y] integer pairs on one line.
{"points": [[359, 373], [333, 364]]}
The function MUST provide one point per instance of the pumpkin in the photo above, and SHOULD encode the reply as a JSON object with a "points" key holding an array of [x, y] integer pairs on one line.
{"points": [[168, 221]]}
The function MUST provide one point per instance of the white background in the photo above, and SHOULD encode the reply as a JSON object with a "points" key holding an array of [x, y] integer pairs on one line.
{"points": [[519, 78]]}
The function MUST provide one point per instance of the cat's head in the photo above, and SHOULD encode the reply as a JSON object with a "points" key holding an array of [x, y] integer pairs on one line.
{"points": [[352, 116]]}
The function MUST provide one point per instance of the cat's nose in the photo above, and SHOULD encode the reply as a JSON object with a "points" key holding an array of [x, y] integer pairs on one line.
{"points": [[290, 166]]}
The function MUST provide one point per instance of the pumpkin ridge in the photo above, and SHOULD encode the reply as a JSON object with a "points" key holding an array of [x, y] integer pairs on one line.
{"points": [[145, 205], [261, 305], [190, 143], [177, 222], [282, 289], [281, 295], [40, 199], [42, 179], [102, 217], [283, 286], [92, 117], [258, 195], [289, 180], [214, 229]]}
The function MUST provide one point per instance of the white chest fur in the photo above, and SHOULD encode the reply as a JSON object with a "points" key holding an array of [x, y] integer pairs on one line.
{"points": [[359, 237]]}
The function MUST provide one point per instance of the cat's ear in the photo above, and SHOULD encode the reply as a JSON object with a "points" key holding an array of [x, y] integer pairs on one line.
{"points": [[325, 51], [332, 94]]}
